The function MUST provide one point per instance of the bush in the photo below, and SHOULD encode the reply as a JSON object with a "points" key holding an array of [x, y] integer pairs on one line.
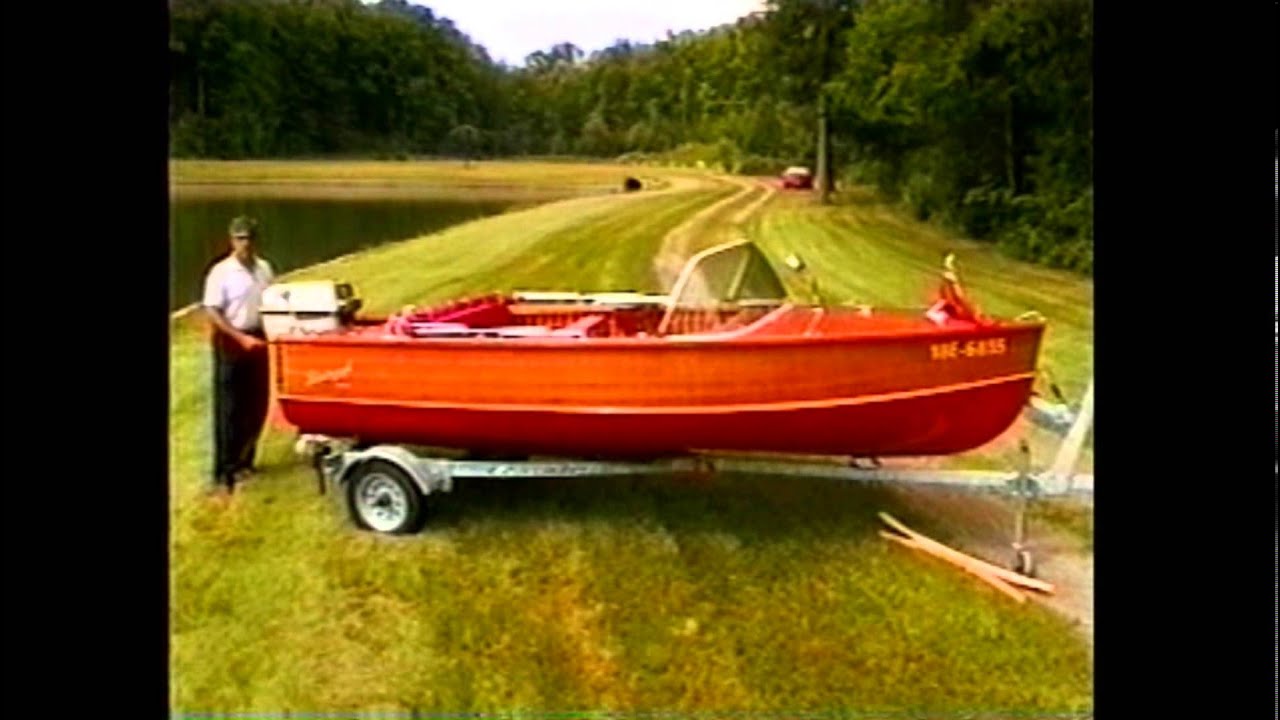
{"points": [[635, 158], [723, 155], [878, 173], [760, 165], [187, 138], [920, 196], [689, 155], [1052, 230], [984, 211]]}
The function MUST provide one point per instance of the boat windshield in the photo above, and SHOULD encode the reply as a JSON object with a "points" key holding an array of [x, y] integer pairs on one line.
{"points": [[729, 274]]}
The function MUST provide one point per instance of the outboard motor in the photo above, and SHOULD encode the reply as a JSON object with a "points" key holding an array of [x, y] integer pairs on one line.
{"points": [[305, 308]]}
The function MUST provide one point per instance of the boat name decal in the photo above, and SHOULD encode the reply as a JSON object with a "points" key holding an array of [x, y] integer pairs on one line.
{"points": [[970, 349], [328, 376]]}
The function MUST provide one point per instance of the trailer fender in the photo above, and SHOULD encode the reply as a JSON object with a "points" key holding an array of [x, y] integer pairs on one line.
{"points": [[430, 476]]}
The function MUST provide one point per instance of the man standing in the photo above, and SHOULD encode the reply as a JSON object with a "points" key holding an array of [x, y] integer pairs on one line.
{"points": [[232, 298]]}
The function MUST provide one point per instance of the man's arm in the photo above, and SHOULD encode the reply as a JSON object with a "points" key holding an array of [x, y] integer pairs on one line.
{"points": [[246, 341], [213, 310]]}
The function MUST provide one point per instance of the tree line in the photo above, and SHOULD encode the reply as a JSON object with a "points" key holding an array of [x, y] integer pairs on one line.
{"points": [[976, 114]]}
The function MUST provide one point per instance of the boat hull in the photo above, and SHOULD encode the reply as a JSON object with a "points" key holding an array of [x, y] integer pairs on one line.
{"points": [[928, 392], [937, 422]]}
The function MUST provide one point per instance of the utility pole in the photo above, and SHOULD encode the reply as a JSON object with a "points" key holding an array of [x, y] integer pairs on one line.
{"points": [[824, 69], [824, 164]]}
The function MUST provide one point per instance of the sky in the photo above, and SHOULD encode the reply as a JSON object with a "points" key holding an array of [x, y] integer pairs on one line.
{"points": [[512, 29]]}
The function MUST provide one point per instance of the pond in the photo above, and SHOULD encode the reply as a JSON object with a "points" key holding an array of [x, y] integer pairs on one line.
{"points": [[303, 228]]}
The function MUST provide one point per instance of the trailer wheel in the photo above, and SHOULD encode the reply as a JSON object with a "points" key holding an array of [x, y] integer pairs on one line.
{"points": [[384, 499]]}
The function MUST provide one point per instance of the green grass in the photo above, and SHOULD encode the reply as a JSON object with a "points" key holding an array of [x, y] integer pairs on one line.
{"points": [[1067, 515], [725, 593], [431, 172]]}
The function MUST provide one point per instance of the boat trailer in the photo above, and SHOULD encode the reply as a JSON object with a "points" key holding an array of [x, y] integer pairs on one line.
{"points": [[385, 485]]}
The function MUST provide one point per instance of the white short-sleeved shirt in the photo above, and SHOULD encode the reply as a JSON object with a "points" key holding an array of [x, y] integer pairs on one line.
{"points": [[235, 291]]}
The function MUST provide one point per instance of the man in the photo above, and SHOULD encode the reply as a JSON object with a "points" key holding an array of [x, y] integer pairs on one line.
{"points": [[232, 298]]}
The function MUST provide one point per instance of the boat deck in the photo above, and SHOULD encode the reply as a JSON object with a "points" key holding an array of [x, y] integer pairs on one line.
{"points": [[503, 317]]}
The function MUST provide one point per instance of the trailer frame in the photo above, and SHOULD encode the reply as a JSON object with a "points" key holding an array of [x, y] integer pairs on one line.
{"points": [[385, 485]]}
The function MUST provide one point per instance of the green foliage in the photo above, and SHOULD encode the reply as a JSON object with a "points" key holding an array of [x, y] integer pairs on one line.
{"points": [[465, 139], [295, 77], [761, 165], [976, 114], [712, 156], [805, 40], [597, 137], [1055, 231]]}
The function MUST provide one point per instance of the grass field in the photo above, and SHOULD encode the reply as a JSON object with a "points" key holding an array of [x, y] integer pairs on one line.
{"points": [[725, 593]]}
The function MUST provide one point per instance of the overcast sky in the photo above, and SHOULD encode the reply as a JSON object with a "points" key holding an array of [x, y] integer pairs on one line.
{"points": [[512, 29]]}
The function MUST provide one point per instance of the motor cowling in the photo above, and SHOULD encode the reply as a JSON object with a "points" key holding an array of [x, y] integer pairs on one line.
{"points": [[306, 308]]}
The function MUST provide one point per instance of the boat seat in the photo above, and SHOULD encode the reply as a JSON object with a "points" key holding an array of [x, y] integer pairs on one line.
{"points": [[739, 319], [486, 313], [580, 327]]}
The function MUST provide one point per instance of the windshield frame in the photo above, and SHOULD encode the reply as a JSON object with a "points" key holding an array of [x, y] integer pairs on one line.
{"points": [[751, 255]]}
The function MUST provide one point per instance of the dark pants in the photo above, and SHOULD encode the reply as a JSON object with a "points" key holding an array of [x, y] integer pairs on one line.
{"points": [[240, 396]]}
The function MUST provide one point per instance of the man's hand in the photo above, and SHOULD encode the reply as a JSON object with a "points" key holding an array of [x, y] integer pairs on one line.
{"points": [[249, 342]]}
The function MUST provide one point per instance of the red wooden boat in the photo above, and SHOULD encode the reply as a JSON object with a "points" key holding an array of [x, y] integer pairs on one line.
{"points": [[724, 362]]}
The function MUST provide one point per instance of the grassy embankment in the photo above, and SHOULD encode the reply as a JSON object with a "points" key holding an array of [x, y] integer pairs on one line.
{"points": [[723, 593]]}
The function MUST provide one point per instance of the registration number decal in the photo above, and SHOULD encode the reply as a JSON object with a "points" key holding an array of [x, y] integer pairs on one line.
{"points": [[969, 349]]}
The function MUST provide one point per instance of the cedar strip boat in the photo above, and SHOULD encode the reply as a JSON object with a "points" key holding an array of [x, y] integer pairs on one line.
{"points": [[725, 362]]}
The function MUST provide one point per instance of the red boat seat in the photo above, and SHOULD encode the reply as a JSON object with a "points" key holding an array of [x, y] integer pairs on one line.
{"points": [[487, 314], [580, 327]]}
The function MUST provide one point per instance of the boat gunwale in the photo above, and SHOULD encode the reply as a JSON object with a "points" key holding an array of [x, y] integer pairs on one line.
{"points": [[733, 339]]}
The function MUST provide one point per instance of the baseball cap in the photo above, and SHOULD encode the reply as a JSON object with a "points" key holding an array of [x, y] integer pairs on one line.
{"points": [[244, 225]]}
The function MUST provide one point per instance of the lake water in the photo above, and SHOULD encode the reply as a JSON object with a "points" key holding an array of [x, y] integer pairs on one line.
{"points": [[296, 232]]}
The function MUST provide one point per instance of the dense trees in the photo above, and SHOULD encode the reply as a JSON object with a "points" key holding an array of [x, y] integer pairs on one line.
{"points": [[260, 78], [975, 113], [979, 115]]}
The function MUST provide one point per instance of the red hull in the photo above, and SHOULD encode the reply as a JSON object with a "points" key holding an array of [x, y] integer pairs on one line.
{"points": [[940, 423], [797, 381]]}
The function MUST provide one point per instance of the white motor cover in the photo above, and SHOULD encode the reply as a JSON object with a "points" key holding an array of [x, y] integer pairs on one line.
{"points": [[302, 308]]}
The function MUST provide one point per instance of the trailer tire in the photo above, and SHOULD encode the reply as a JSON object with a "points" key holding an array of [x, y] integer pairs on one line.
{"points": [[381, 497]]}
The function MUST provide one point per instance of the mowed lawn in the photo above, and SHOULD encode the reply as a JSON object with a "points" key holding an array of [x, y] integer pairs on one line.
{"points": [[507, 173], [725, 593]]}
